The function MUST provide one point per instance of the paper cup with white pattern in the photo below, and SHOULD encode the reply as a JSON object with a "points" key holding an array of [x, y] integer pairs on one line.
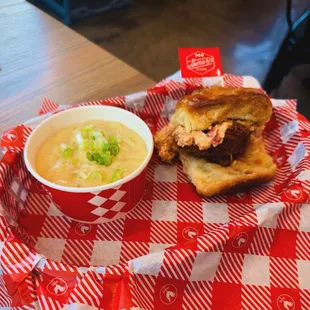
{"points": [[96, 204]]}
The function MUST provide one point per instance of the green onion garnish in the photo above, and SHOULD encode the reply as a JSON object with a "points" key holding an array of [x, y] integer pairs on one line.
{"points": [[79, 138], [89, 156], [116, 175], [105, 146], [114, 149], [100, 161], [96, 176], [112, 140], [92, 145], [68, 152], [98, 148], [84, 145], [107, 158], [82, 175], [63, 147], [96, 156], [86, 131], [84, 134]]}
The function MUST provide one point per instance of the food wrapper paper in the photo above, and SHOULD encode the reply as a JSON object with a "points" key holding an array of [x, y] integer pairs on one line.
{"points": [[175, 250]]}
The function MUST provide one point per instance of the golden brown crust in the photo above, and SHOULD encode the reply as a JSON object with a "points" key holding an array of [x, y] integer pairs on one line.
{"points": [[216, 104], [252, 168], [165, 143]]}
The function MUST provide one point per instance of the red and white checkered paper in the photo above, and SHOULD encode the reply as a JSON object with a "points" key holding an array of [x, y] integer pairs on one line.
{"points": [[176, 250]]}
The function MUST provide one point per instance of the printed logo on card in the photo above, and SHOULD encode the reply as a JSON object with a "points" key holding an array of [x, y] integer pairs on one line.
{"points": [[189, 233], [10, 136], [168, 294], [295, 193], [82, 229], [240, 197], [200, 62], [285, 302], [280, 160], [240, 240], [279, 157], [57, 287]]}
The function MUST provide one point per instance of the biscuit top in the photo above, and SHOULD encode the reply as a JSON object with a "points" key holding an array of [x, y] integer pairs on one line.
{"points": [[216, 104]]}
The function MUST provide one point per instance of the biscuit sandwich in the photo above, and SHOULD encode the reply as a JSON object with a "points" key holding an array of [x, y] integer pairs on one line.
{"points": [[217, 134]]}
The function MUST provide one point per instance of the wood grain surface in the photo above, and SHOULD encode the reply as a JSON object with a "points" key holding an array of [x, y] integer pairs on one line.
{"points": [[249, 33], [40, 57]]}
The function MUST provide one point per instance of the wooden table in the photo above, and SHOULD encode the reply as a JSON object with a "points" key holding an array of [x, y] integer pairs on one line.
{"points": [[40, 57]]}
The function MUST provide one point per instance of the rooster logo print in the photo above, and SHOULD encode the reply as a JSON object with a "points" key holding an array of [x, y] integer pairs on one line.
{"points": [[82, 229], [240, 240], [295, 193], [285, 302], [168, 294], [57, 287], [10, 136], [190, 233], [280, 160]]}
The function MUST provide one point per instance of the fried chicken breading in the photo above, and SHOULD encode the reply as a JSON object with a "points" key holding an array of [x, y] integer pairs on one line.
{"points": [[166, 145]]}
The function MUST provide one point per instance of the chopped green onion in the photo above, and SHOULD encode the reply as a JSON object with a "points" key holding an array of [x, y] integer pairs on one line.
{"points": [[114, 149], [82, 175], [96, 156], [79, 138], [84, 134], [86, 131], [105, 146], [95, 134], [116, 175], [88, 128], [84, 145], [100, 161], [96, 176], [92, 145], [98, 135], [106, 158], [113, 140], [89, 156], [63, 147], [68, 153], [102, 132]]}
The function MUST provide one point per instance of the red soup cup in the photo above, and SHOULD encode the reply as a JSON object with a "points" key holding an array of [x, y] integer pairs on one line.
{"points": [[98, 204]]}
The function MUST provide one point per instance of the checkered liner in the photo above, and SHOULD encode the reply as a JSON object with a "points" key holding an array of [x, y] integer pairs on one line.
{"points": [[176, 250]]}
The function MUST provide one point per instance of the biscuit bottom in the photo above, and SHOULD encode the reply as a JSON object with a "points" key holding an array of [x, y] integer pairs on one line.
{"points": [[254, 167]]}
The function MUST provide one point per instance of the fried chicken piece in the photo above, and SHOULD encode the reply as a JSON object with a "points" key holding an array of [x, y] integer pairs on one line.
{"points": [[171, 137], [203, 143], [233, 145], [165, 143]]}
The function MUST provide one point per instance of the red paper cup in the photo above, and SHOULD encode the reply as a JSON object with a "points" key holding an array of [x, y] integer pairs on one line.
{"points": [[97, 204]]}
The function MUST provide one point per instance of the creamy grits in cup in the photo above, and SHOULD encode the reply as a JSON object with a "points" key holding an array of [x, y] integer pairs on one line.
{"points": [[92, 161]]}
